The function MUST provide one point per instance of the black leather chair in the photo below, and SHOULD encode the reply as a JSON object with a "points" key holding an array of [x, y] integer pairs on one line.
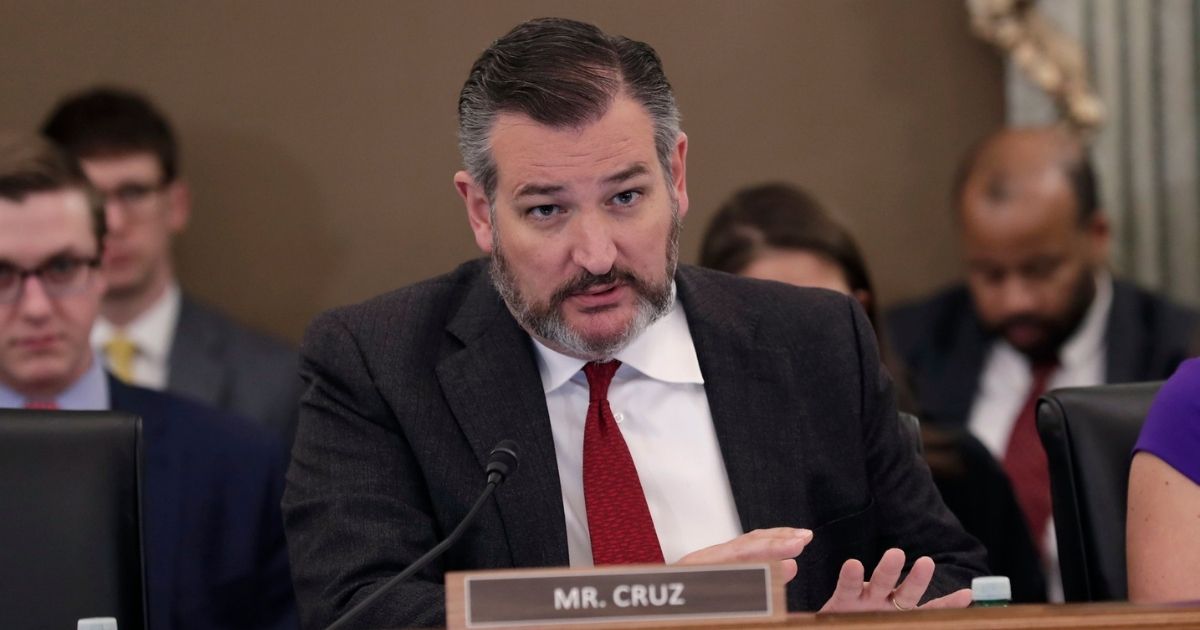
{"points": [[1089, 434], [70, 527], [910, 426]]}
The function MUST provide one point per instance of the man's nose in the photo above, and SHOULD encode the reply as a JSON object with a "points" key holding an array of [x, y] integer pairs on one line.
{"points": [[34, 302], [593, 247], [1017, 296], [115, 215]]}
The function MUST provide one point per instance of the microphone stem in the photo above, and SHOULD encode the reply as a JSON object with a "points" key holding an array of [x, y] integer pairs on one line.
{"points": [[423, 560]]}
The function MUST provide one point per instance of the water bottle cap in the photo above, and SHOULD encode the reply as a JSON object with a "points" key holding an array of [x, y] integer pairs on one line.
{"points": [[991, 588], [97, 623]]}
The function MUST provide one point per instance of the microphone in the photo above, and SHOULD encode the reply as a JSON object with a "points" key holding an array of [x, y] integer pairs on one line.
{"points": [[502, 462]]}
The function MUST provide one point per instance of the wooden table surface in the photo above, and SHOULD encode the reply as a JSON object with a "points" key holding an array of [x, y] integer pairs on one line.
{"points": [[1035, 616]]}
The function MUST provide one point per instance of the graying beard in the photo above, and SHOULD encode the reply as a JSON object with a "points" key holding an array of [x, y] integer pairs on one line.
{"points": [[554, 328]]}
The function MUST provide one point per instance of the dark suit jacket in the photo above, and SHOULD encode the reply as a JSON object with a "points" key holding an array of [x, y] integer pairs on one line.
{"points": [[228, 366], [215, 554], [408, 393], [943, 345]]}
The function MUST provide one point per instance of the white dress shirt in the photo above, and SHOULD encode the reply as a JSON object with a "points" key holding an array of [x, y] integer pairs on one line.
{"points": [[152, 333], [1004, 385], [658, 400]]}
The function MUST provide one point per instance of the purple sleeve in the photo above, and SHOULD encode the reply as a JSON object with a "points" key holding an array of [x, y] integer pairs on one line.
{"points": [[1172, 429]]}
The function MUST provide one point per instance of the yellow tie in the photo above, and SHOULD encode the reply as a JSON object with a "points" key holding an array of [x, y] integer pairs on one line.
{"points": [[121, 350]]}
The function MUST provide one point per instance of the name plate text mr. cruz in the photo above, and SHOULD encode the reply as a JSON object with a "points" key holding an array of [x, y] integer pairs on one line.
{"points": [[614, 596]]}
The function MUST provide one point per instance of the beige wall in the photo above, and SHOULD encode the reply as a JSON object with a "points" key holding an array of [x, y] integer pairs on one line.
{"points": [[319, 137]]}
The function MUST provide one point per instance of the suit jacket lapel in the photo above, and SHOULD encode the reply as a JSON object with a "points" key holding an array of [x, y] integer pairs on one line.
{"points": [[195, 368], [963, 371], [162, 497], [747, 401], [495, 392]]}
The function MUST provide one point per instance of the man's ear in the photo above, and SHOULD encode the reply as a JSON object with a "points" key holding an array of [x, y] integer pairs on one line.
{"points": [[1099, 236], [479, 210], [864, 299], [179, 205], [679, 173]]}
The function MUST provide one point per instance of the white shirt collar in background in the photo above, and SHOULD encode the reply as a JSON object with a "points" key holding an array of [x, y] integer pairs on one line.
{"points": [[152, 332]]}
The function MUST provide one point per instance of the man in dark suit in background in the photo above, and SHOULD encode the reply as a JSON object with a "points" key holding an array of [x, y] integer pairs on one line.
{"points": [[1039, 309], [150, 332], [215, 555], [664, 413]]}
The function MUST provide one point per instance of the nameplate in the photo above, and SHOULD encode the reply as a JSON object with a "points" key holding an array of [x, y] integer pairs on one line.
{"points": [[617, 596]]}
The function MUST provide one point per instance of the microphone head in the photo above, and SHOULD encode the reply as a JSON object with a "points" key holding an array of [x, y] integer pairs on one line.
{"points": [[502, 461]]}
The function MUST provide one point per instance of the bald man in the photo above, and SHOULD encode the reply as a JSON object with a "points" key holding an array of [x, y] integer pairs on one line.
{"points": [[1039, 309]]}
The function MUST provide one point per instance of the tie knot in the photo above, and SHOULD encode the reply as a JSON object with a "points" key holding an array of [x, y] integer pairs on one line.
{"points": [[121, 352], [120, 343], [1042, 370], [599, 376]]}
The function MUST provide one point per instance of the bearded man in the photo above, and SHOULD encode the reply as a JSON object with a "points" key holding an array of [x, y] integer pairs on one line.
{"points": [[1039, 310], [665, 413]]}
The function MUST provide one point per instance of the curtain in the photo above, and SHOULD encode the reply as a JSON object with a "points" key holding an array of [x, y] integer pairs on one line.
{"points": [[1144, 61]]}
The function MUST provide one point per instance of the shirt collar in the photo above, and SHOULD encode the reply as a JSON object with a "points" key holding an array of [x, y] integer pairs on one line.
{"points": [[151, 331], [89, 392], [663, 351]]}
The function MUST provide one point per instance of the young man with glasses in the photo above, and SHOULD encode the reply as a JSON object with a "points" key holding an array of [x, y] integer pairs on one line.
{"points": [[149, 331], [212, 532]]}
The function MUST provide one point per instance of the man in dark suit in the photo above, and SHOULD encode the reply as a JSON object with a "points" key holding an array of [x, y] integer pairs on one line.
{"points": [[215, 556], [1039, 309], [149, 331], [664, 414]]}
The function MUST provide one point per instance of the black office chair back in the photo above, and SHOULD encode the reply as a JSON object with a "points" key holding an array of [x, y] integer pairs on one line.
{"points": [[910, 426], [70, 533], [1088, 434]]}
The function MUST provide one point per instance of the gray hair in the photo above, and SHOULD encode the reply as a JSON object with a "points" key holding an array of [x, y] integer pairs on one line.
{"points": [[560, 73]]}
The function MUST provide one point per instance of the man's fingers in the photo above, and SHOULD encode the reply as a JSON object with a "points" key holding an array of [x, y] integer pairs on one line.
{"points": [[910, 592], [850, 578], [885, 575], [849, 587], [957, 599], [790, 569], [781, 543]]}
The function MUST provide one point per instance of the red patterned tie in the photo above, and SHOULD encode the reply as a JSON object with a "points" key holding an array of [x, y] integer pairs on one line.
{"points": [[1025, 459], [41, 404], [619, 521]]}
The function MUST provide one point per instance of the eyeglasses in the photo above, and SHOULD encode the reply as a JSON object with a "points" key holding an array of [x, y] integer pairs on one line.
{"points": [[133, 197], [60, 276]]}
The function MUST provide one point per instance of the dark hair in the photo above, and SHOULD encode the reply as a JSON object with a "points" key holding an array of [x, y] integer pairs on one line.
{"points": [[780, 216], [107, 121], [1076, 165], [32, 164], [560, 73]]}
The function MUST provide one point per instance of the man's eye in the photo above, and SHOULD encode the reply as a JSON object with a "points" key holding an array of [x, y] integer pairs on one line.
{"points": [[131, 193], [988, 275], [1042, 269], [543, 212], [8, 275], [59, 269], [626, 198]]}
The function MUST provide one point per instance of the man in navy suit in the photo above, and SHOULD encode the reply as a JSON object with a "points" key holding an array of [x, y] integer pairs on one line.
{"points": [[212, 533]]}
